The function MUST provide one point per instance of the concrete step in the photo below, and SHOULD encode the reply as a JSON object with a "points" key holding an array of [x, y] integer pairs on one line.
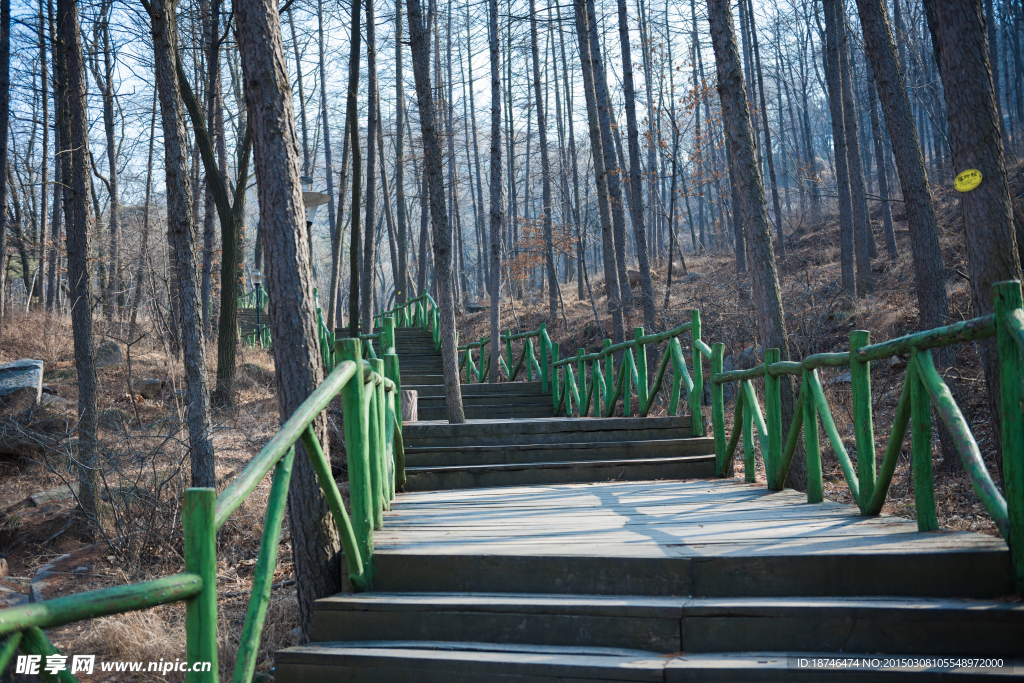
{"points": [[475, 389], [566, 452], [427, 378], [895, 626], [785, 571], [471, 662], [477, 399], [497, 432], [567, 472], [485, 411]]}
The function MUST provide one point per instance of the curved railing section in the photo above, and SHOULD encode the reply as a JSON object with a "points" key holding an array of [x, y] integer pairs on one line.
{"points": [[369, 389]]}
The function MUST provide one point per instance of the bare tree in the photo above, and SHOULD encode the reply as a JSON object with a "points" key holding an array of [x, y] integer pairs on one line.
{"points": [[289, 273], [74, 124], [753, 207], [962, 52], [440, 226], [184, 237], [494, 285]]}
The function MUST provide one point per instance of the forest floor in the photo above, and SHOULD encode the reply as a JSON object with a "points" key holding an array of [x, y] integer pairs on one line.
{"points": [[144, 441]]}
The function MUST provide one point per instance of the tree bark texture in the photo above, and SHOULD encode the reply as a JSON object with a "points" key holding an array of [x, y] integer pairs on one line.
{"points": [[297, 363], [440, 227], [78, 216], [753, 207], [922, 223], [496, 217], [184, 238], [958, 34]]}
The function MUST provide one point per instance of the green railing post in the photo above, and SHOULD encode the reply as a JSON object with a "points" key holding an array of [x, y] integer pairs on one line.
{"points": [[921, 450], [863, 422], [718, 407], [1007, 300], [609, 377], [508, 353], [542, 341], [483, 361], [581, 370], [815, 484], [641, 368], [201, 558], [378, 467], [387, 335], [357, 449], [749, 461], [393, 372], [697, 413], [773, 416], [528, 354], [554, 377]]}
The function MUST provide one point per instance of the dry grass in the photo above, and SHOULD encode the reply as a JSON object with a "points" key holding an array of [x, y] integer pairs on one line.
{"points": [[147, 438]]}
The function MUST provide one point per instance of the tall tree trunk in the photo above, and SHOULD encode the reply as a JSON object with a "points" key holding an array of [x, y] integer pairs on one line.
{"points": [[611, 280], [333, 219], [401, 287], [184, 237], [44, 171], [768, 139], [635, 186], [881, 171], [433, 170], [611, 164], [834, 78], [545, 169], [496, 217], [372, 121], [59, 112], [863, 236], [958, 34], [352, 124], [144, 257], [77, 213], [297, 362], [736, 117], [880, 47]]}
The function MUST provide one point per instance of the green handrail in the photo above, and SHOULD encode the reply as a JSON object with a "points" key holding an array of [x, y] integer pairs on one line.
{"points": [[923, 389], [371, 399]]}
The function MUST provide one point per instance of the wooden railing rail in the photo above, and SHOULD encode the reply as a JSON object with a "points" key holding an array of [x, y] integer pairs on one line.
{"points": [[371, 398]]}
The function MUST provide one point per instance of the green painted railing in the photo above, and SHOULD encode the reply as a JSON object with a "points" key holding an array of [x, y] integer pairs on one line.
{"points": [[923, 388], [376, 468], [257, 298], [618, 372]]}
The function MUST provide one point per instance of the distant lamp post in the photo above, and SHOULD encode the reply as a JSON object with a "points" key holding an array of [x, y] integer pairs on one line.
{"points": [[311, 200], [256, 278]]}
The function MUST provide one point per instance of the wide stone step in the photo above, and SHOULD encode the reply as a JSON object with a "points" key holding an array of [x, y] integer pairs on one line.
{"points": [[498, 432], [565, 472], [489, 410], [426, 378], [471, 662], [490, 399], [523, 453], [895, 626], [476, 389]]}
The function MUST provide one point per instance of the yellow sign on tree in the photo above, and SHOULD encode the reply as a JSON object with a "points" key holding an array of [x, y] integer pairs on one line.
{"points": [[968, 180]]}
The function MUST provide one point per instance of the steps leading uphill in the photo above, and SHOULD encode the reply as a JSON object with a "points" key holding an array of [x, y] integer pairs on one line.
{"points": [[541, 551]]}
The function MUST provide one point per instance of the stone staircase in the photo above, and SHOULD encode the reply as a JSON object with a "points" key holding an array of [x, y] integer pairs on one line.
{"points": [[528, 557], [247, 321], [421, 369], [553, 451]]}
